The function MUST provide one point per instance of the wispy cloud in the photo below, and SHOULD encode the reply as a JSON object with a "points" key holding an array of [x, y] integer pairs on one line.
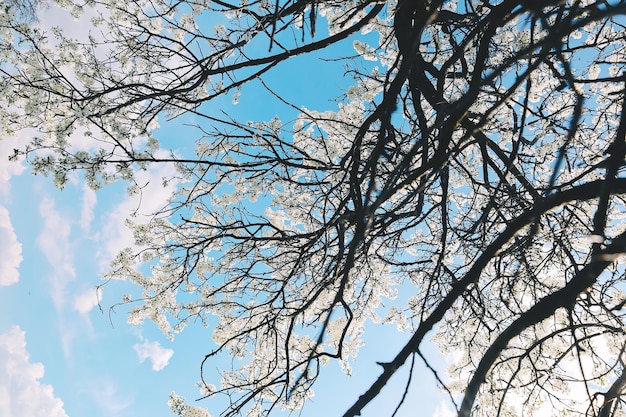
{"points": [[89, 203], [109, 398], [12, 250], [21, 394], [8, 169], [54, 243], [85, 301], [443, 410], [139, 208], [158, 355]]}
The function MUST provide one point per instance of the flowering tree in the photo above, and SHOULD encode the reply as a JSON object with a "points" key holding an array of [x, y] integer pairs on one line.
{"points": [[23, 9], [476, 161]]}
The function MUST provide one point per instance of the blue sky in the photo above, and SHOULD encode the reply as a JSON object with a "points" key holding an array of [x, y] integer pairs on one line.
{"points": [[63, 355], [71, 356]]}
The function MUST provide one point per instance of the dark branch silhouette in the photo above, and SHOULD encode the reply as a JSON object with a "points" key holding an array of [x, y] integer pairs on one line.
{"points": [[476, 162]]}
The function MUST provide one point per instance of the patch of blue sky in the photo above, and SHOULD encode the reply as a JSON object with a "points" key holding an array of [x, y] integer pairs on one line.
{"points": [[62, 332], [90, 357]]}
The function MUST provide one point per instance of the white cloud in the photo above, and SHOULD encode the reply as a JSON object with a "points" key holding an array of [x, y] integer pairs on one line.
{"points": [[443, 410], [139, 208], [12, 250], [89, 202], [158, 355], [21, 394], [87, 300], [108, 397], [8, 168], [54, 243]]}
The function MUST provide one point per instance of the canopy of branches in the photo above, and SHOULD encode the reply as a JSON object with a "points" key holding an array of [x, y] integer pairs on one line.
{"points": [[476, 162]]}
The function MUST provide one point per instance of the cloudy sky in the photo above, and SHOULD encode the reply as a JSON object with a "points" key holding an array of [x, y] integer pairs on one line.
{"points": [[62, 355], [64, 349]]}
